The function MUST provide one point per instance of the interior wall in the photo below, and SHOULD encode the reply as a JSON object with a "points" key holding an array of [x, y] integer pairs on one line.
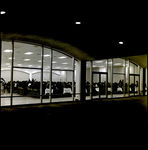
{"points": [[6, 75], [141, 79], [17, 75]]}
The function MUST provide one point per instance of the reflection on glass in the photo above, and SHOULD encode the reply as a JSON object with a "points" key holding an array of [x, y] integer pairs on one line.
{"points": [[27, 55]]}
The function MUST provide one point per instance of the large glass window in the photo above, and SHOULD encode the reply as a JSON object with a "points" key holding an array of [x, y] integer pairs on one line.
{"points": [[62, 77], [27, 55], [46, 75], [118, 77], [26, 73], [6, 72], [100, 65]]}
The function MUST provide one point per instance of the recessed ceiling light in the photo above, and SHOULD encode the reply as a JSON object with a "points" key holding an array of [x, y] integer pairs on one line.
{"points": [[120, 42], [62, 57], [117, 64], [39, 60], [98, 61], [47, 55], [66, 68], [8, 50], [7, 64], [54, 62], [29, 65], [26, 59], [2, 12], [77, 22], [65, 63], [100, 66], [10, 58], [28, 53]]}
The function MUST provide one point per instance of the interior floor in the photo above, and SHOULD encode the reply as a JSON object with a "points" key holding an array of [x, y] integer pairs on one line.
{"points": [[18, 100]]}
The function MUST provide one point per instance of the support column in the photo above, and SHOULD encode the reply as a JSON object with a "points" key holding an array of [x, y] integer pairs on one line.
{"points": [[0, 63], [73, 67], [41, 80], [77, 79], [11, 85], [82, 80], [144, 81], [51, 57], [91, 81]]}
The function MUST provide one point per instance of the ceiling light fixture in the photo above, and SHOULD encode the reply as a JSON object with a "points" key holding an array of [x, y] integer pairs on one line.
{"points": [[10, 58], [28, 53], [47, 55], [62, 57], [2, 12], [54, 62], [117, 64], [8, 50], [65, 63], [98, 61], [120, 42], [26, 59], [77, 22]]}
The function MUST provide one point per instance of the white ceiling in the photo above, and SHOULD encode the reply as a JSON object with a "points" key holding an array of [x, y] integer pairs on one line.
{"points": [[65, 63], [34, 60]]}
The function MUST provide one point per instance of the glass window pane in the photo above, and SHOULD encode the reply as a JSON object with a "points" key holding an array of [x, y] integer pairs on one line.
{"points": [[136, 69], [26, 84], [77, 80], [96, 89], [27, 55], [61, 61], [100, 65], [132, 68], [46, 75], [87, 86], [118, 65], [61, 86], [6, 68], [118, 85], [136, 85]]}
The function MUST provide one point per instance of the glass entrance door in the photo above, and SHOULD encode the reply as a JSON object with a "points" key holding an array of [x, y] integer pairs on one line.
{"points": [[99, 85], [134, 85]]}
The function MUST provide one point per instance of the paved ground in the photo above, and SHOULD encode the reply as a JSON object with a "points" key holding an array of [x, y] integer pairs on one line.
{"points": [[102, 118]]}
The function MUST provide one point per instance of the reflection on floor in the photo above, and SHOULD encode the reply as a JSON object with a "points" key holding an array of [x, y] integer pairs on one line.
{"points": [[5, 101]]}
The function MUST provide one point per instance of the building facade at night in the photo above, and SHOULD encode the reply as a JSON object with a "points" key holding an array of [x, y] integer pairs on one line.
{"points": [[36, 71]]}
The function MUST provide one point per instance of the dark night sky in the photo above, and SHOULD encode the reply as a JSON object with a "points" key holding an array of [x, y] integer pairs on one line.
{"points": [[102, 26]]}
